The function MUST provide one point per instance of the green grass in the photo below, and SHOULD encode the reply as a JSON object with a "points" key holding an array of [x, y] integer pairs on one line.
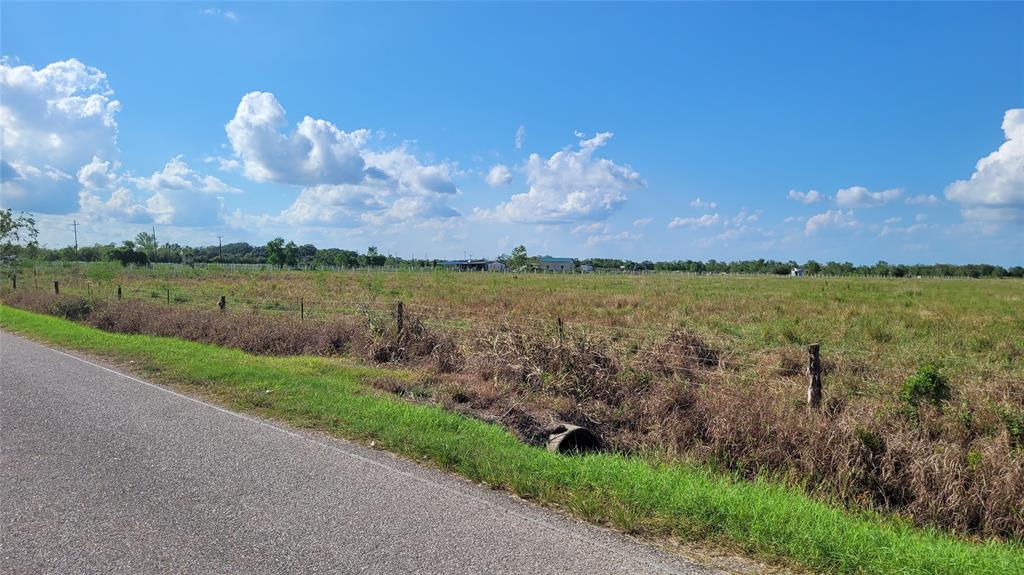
{"points": [[630, 493]]}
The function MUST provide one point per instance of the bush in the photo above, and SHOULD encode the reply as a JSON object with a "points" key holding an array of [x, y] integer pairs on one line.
{"points": [[926, 385]]}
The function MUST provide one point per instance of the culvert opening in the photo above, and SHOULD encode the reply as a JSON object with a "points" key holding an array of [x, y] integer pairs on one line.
{"points": [[572, 439]]}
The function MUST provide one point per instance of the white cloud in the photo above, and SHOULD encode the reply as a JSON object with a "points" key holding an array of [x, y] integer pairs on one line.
{"points": [[810, 197], [699, 203], [53, 121], [499, 175], [921, 218], [226, 14], [520, 137], [830, 220], [641, 222], [861, 197], [568, 187], [315, 153], [891, 221], [922, 200], [701, 222], [345, 183], [995, 191]]}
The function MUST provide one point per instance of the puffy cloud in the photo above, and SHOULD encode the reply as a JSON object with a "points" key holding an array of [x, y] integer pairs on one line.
{"points": [[520, 137], [701, 222], [810, 197], [922, 200], [176, 195], [53, 121], [570, 186], [861, 197], [830, 220], [995, 191], [499, 175], [315, 153], [699, 203]]}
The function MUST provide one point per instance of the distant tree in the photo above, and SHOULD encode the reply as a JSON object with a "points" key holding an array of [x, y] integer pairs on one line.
{"points": [[291, 254], [519, 258], [373, 257], [127, 255], [146, 242], [275, 252]]}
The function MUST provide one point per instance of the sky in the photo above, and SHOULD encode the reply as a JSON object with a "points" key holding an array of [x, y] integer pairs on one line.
{"points": [[846, 131]]}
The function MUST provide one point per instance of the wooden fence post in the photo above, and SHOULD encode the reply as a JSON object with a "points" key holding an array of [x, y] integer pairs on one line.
{"points": [[814, 376], [56, 287], [168, 296], [222, 304], [14, 281], [302, 309], [119, 292], [561, 331], [400, 316]]}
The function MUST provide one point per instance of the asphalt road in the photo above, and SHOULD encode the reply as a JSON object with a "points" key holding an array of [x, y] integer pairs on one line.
{"points": [[101, 472]]}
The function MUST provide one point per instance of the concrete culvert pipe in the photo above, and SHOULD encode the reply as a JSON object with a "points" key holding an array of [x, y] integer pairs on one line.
{"points": [[570, 439]]}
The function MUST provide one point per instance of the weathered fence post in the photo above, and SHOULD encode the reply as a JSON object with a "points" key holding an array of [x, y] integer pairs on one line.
{"points": [[56, 287], [400, 316], [302, 308], [14, 281], [119, 292], [561, 331], [168, 296], [223, 303], [814, 376]]}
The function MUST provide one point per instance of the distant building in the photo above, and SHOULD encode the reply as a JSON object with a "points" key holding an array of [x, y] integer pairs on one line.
{"points": [[563, 265], [797, 272], [586, 269], [496, 266], [474, 265]]}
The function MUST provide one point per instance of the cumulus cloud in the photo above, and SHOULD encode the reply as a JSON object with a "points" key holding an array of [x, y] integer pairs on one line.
{"points": [[922, 200], [830, 220], [499, 175], [568, 187], [995, 191], [53, 121], [861, 197], [314, 153], [701, 222], [520, 137], [809, 197], [345, 183], [699, 203]]}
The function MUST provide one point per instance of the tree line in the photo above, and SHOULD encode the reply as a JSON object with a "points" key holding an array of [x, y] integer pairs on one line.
{"points": [[18, 241]]}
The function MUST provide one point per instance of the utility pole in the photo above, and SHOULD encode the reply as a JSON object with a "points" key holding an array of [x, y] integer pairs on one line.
{"points": [[220, 250], [74, 224]]}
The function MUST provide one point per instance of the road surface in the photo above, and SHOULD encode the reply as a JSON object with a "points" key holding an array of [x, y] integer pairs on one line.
{"points": [[101, 472]]}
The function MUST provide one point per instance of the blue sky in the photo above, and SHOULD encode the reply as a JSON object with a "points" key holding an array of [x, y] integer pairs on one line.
{"points": [[654, 131]]}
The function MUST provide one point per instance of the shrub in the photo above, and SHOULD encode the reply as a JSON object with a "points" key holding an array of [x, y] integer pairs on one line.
{"points": [[926, 385]]}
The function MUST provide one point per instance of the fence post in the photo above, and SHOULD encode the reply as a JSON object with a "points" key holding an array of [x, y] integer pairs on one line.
{"points": [[814, 376], [223, 303], [56, 287], [561, 331], [302, 308], [14, 281], [168, 296], [400, 316], [118, 292]]}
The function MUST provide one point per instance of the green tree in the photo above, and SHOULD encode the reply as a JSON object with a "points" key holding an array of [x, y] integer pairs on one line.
{"points": [[519, 258], [146, 242], [17, 230], [275, 252]]}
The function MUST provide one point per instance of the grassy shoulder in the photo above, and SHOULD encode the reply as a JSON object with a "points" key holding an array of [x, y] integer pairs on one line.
{"points": [[630, 493]]}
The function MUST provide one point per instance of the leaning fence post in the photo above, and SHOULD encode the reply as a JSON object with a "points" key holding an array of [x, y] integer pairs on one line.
{"points": [[400, 316], [302, 308], [814, 376], [223, 303], [118, 292], [56, 287]]}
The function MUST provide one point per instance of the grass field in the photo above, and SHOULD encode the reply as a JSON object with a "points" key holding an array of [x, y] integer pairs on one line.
{"points": [[637, 494], [706, 369]]}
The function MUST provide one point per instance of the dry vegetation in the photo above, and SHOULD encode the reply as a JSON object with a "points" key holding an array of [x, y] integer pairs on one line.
{"points": [[708, 369]]}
